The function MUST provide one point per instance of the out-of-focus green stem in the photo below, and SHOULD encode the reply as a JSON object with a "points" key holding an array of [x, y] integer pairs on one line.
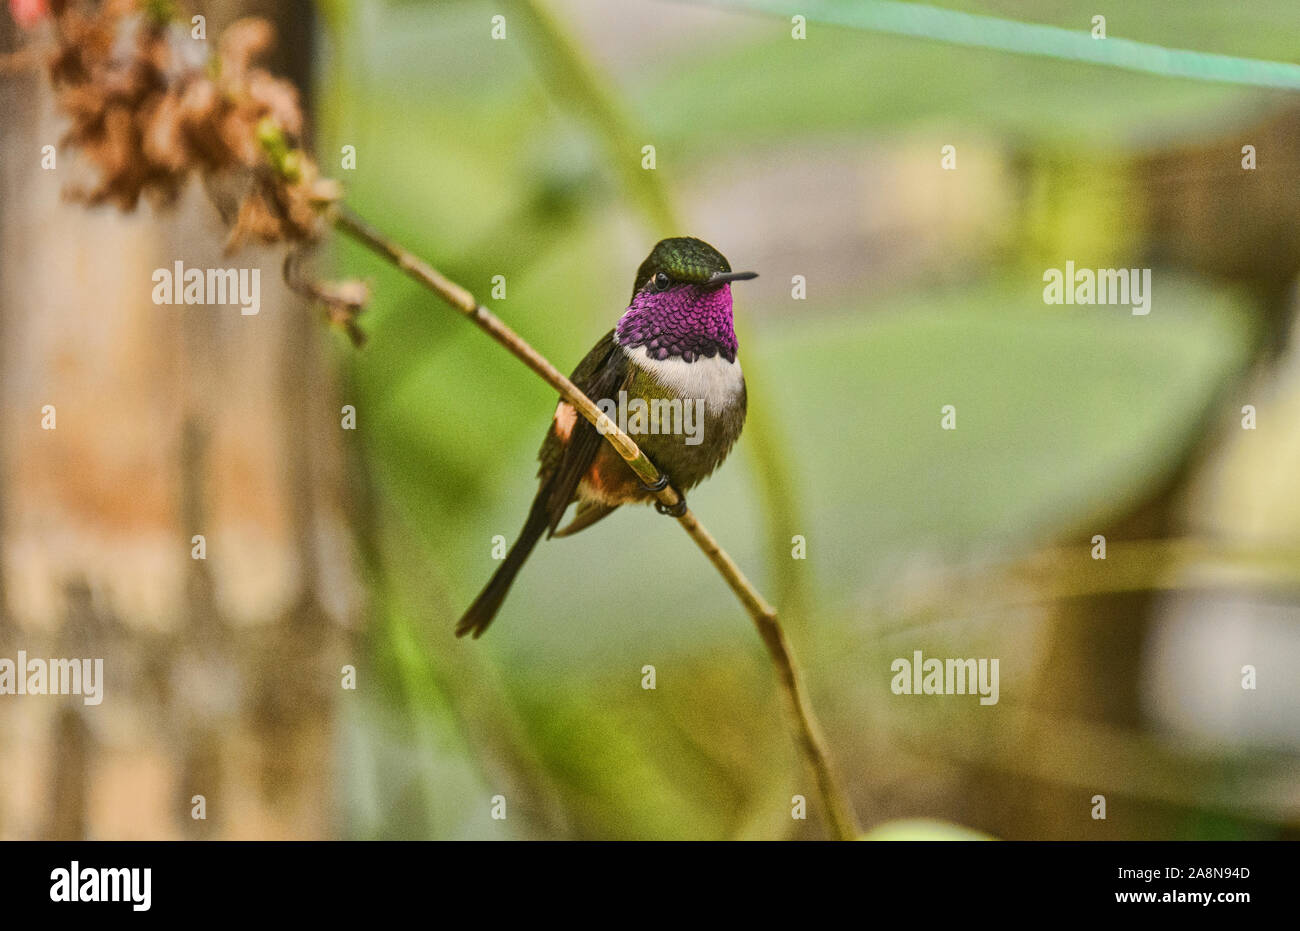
{"points": [[571, 77]]}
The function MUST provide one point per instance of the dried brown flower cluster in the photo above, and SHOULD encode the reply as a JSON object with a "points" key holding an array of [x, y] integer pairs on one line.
{"points": [[149, 105]]}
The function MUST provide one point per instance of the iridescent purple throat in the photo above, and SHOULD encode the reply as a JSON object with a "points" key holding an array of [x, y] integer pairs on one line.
{"points": [[687, 321]]}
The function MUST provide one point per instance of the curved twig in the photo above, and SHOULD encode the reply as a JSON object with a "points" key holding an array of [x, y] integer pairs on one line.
{"points": [[839, 812]]}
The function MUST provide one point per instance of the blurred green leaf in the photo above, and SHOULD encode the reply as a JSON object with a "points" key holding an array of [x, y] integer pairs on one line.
{"points": [[922, 829]]}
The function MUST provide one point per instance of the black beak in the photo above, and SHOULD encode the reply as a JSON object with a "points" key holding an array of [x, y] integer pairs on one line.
{"points": [[720, 278]]}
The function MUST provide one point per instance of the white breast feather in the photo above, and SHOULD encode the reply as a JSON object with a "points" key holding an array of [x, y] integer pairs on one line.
{"points": [[714, 379]]}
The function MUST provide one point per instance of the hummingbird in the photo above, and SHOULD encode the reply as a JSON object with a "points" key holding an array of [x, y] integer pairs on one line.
{"points": [[674, 344]]}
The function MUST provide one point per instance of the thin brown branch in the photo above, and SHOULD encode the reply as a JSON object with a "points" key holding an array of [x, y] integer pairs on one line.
{"points": [[839, 812], [343, 300]]}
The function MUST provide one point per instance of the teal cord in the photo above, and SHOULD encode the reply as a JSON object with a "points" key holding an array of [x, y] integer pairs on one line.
{"points": [[928, 22]]}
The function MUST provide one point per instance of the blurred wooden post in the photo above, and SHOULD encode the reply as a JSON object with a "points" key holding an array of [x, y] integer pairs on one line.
{"points": [[222, 674]]}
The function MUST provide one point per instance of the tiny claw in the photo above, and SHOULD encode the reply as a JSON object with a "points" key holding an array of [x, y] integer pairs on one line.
{"points": [[659, 485], [677, 510]]}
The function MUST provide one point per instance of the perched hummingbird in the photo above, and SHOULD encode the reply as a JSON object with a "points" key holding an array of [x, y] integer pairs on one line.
{"points": [[674, 343]]}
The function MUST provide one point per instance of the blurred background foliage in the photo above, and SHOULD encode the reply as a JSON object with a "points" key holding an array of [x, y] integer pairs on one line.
{"points": [[821, 157]]}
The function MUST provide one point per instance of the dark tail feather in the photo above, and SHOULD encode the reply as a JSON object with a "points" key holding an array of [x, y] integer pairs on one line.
{"points": [[486, 605]]}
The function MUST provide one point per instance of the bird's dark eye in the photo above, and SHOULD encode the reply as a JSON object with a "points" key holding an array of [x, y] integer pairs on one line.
{"points": [[662, 281]]}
